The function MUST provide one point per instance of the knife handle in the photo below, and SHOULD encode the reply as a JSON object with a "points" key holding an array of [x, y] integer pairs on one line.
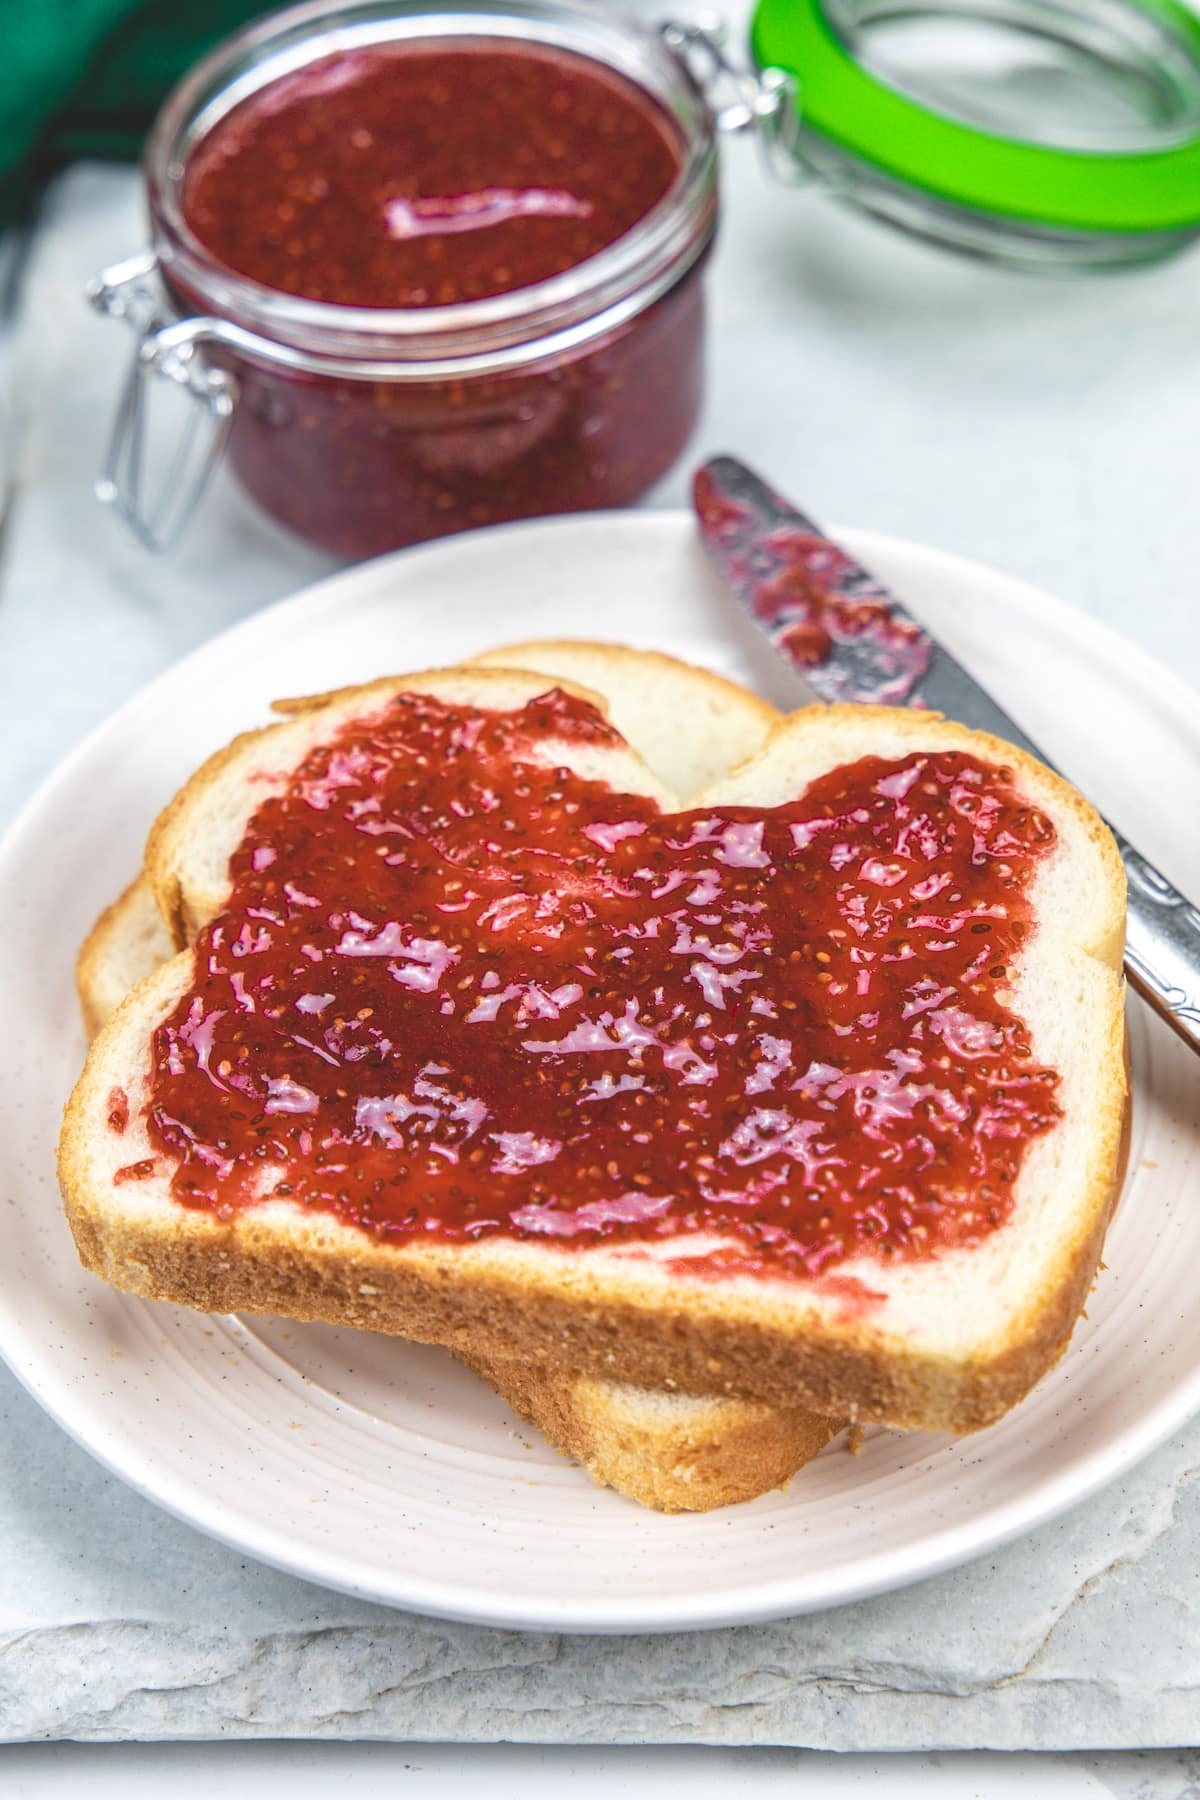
{"points": [[1162, 944]]}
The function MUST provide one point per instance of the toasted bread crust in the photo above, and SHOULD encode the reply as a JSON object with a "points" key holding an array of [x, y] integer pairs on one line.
{"points": [[274, 1261], [93, 965], [540, 654], [699, 1458], [214, 1269]]}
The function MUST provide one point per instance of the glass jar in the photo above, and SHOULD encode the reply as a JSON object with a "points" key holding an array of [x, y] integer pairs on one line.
{"points": [[1040, 133], [363, 428]]}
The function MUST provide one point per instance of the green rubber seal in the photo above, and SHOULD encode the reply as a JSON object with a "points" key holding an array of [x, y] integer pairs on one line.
{"points": [[1145, 190]]}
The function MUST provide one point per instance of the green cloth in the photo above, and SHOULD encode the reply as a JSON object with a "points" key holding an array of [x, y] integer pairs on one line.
{"points": [[85, 78]]}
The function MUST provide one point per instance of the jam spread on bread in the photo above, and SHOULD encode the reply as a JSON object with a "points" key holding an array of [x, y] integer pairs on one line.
{"points": [[461, 992]]}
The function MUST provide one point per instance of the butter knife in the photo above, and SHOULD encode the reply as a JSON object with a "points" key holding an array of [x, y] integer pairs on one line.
{"points": [[853, 640]]}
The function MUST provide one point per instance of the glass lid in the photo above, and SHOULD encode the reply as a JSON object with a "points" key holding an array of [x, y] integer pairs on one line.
{"points": [[1049, 128]]}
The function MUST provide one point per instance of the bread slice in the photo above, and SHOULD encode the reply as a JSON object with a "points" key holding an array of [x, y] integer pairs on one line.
{"points": [[187, 855], [689, 725], [674, 1452], [671, 1451], [950, 1341], [644, 693], [128, 942]]}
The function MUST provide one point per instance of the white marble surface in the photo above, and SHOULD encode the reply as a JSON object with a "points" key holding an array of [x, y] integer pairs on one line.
{"points": [[1047, 426]]}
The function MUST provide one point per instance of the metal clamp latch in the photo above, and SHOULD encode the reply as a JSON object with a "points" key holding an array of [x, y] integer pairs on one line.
{"points": [[766, 103], [129, 291]]}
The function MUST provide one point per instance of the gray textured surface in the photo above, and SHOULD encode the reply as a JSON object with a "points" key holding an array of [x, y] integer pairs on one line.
{"points": [[114, 1620]]}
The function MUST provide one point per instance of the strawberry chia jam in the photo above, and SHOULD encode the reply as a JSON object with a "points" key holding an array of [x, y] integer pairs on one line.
{"points": [[404, 177], [459, 992], [457, 279], [809, 597]]}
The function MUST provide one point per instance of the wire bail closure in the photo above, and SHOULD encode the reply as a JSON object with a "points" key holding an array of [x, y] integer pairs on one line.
{"points": [[127, 291], [766, 103], [194, 354]]}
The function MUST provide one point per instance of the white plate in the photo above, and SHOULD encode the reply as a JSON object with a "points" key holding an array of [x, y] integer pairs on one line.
{"points": [[385, 1469]]}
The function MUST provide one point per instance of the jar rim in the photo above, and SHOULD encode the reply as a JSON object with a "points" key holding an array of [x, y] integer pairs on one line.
{"points": [[637, 266]]}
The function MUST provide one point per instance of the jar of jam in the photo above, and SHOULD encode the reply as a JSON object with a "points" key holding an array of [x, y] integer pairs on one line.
{"points": [[423, 269]]}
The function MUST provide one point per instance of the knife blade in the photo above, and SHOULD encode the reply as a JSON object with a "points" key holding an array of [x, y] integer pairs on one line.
{"points": [[852, 639]]}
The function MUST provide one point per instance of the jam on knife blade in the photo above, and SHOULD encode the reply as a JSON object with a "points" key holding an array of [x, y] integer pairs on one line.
{"points": [[852, 640], [822, 611]]}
